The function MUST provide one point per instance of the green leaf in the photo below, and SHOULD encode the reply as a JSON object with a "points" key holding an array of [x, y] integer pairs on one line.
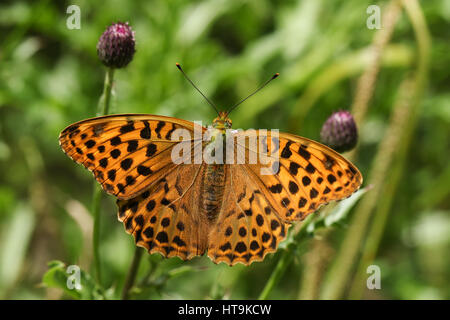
{"points": [[339, 213], [67, 277], [14, 243]]}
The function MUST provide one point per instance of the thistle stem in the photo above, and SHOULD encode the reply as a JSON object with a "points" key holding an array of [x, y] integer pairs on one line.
{"points": [[285, 260], [96, 199], [132, 273], [107, 93], [103, 109]]}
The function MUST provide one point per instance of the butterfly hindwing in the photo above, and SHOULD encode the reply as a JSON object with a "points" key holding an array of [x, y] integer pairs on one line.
{"points": [[247, 227], [164, 218]]}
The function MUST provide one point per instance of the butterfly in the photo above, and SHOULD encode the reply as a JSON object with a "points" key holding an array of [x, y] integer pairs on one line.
{"points": [[232, 210]]}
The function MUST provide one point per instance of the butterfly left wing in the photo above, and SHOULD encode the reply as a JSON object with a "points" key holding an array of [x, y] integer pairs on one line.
{"points": [[166, 218], [300, 176], [127, 152], [247, 227]]}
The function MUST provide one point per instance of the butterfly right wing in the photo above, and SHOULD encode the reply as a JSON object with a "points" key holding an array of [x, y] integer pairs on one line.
{"points": [[131, 156], [126, 153]]}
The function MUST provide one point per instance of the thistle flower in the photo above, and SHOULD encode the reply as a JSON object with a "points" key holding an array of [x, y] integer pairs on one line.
{"points": [[115, 47], [339, 132]]}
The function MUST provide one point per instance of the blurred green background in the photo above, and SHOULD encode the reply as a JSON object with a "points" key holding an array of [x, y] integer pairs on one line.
{"points": [[50, 77]]}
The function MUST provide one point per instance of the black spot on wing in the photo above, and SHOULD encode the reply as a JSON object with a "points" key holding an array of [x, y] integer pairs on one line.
{"points": [[115, 153], [126, 164], [303, 152], [132, 145], [276, 188], [286, 153], [146, 132], [159, 127], [127, 128], [115, 141], [293, 168], [143, 170], [151, 150]]}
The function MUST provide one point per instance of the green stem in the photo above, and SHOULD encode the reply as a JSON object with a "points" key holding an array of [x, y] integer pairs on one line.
{"points": [[103, 109], [341, 270], [319, 253], [132, 272], [107, 93], [96, 199], [415, 91], [401, 115], [216, 292], [283, 263], [285, 260], [376, 232], [367, 81]]}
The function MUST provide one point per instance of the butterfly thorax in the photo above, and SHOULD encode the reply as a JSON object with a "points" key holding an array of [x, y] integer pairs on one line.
{"points": [[222, 122]]}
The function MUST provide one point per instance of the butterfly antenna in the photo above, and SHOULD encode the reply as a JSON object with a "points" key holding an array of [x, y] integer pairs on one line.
{"points": [[190, 81], [262, 86]]}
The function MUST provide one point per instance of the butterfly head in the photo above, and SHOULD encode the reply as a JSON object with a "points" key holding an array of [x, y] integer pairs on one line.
{"points": [[222, 121]]}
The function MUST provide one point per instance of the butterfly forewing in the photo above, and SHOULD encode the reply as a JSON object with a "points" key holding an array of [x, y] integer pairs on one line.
{"points": [[126, 153], [305, 174]]}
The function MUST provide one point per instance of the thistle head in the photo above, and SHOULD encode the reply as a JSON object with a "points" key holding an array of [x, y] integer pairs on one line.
{"points": [[339, 132], [116, 45]]}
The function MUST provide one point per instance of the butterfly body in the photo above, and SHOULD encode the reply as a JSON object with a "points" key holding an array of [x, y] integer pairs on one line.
{"points": [[232, 210], [215, 174], [214, 186]]}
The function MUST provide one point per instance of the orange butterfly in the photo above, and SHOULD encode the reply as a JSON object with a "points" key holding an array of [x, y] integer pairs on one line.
{"points": [[233, 210]]}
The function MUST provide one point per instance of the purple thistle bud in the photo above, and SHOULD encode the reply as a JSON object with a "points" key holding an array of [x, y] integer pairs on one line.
{"points": [[339, 132], [115, 47]]}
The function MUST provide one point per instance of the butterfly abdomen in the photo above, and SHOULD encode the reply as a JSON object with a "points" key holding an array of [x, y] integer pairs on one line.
{"points": [[212, 195]]}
